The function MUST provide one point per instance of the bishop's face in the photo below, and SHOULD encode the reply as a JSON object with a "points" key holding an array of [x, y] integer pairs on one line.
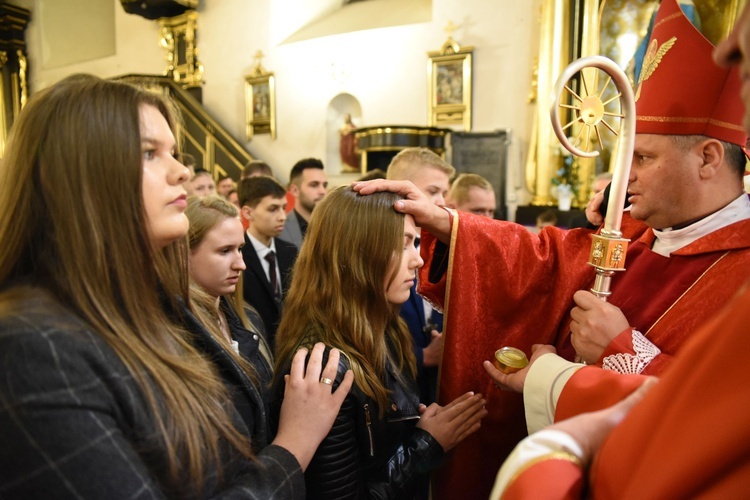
{"points": [[663, 182]]}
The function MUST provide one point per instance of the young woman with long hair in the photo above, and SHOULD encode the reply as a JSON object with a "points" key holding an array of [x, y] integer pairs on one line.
{"points": [[110, 387], [354, 270], [216, 239]]}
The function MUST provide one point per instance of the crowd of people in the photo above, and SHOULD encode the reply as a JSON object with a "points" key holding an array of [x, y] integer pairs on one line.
{"points": [[168, 334]]}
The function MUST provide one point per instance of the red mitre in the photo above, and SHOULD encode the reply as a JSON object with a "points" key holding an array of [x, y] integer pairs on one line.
{"points": [[680, 90]]}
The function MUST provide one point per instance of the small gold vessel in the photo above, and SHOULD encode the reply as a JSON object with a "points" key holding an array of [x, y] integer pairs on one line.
{"points": [[510, 360]]}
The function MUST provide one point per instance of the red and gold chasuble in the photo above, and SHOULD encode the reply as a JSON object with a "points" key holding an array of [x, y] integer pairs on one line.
{"points": [[666, 447], [507, 286]]}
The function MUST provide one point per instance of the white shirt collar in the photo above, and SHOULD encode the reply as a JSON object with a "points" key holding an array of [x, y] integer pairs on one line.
{"points": [[260, 248], [670, 240]]}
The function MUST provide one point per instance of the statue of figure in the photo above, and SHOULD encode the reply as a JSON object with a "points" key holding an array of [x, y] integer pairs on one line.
{"points": [[347, 146]]}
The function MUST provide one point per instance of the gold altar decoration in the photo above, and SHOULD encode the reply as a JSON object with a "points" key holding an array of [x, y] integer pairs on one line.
{"points": [[449, 84], [20, 97], [612, 28], [179, 40], [260, 101]]}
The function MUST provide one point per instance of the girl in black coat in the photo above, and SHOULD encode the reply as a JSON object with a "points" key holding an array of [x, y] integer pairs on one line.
{"points": [[355, 268]]}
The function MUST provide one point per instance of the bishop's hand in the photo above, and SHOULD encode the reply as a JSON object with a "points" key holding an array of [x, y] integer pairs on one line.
{"points": [[595, 324], [515, 381]]}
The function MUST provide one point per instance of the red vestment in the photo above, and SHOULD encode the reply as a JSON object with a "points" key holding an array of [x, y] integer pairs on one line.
{"points": [[508, 286], [688, 438]]}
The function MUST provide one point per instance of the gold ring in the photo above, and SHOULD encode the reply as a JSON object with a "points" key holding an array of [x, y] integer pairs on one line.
{"points": [[326, 381]]}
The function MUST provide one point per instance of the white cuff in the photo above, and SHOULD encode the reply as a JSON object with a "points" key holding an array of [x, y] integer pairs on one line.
{"points": [[544, 383], [546, 443]]}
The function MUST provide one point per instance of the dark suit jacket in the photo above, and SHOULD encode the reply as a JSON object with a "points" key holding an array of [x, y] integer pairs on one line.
{"points": [[292, 232], [75, 424], [256, 288], [412, 312]]}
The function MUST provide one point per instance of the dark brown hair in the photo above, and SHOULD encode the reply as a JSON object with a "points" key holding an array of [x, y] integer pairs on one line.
{"points": [[337, 295], [74, 224]]}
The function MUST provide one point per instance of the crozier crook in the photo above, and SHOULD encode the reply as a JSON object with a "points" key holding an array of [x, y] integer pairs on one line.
{"points": [[608, 248]]}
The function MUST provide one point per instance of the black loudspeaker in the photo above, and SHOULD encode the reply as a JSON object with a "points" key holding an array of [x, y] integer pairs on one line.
{"points": [[154, 9]]}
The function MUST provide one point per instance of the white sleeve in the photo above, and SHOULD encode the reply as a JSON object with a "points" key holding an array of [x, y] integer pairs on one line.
{"points": [[544, 383], [540, 445]]}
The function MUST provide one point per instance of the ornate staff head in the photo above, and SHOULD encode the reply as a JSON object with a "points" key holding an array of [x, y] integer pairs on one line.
{"points": [[608, 248], [680, 91]]}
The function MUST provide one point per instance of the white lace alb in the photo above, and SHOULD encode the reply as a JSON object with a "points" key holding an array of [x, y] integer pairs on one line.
{"points": [[623, 362]]}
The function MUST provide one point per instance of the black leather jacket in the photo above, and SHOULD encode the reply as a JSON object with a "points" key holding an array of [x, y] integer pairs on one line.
{"points": [[366, 456]]}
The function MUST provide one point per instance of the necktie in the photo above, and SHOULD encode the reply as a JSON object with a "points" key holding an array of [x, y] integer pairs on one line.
{"points": [[271, 259]]}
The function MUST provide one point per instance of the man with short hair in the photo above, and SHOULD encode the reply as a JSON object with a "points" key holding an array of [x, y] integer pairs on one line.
{"points": [[269, 260], [689, 227], [255, 168], [472, 193], [224, 186], [431, 175], [308, 184]]}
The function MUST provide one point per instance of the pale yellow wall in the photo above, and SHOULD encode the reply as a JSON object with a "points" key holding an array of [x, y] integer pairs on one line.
{"points": [[136, 45], [385, 69]]}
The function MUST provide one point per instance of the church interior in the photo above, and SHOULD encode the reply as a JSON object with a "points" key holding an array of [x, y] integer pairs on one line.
{"points": [[276, 79], [165, 331]]}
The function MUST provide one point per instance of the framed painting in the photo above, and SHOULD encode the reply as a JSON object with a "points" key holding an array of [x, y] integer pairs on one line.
{"points": [[449, 86], [260, 103]]}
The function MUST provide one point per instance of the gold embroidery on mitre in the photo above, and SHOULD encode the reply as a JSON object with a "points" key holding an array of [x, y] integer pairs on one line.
{"points": [[651, 61], [682, 119]]}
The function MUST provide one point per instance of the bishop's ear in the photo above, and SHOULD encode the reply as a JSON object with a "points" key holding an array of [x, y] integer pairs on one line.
{"points": [[712, 154]]}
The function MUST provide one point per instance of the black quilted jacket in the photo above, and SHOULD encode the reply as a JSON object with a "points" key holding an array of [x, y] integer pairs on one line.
{"points": [[366, 455]]}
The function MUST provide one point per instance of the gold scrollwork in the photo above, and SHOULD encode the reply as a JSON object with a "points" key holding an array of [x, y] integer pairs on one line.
{"points": [[22, 68], [178, 39]]}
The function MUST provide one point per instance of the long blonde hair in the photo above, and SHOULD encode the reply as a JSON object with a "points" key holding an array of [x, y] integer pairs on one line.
{"points": [[204, 213], [74, 224], [351, 250]]}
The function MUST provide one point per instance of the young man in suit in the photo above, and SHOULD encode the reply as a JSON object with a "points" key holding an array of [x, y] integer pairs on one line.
{"points": [[268, 259], [431, 175], [308, 184]]}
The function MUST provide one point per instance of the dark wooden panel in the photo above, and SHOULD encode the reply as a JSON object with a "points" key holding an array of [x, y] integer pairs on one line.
{"points": [[486, 154]]}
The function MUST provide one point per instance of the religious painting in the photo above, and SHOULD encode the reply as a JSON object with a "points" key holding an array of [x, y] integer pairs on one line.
{"points": [[449, 86], [260, 103], [449, 83]]}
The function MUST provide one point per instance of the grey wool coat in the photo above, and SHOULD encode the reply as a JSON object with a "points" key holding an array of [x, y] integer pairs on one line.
{"points": [[75, 424]]}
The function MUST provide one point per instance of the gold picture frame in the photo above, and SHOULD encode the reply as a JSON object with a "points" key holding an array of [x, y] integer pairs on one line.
{"points": [[260, 102], [449, 86]]}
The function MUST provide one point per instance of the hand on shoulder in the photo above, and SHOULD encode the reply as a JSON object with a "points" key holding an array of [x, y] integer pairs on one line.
{"points": [[310, 403]]}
